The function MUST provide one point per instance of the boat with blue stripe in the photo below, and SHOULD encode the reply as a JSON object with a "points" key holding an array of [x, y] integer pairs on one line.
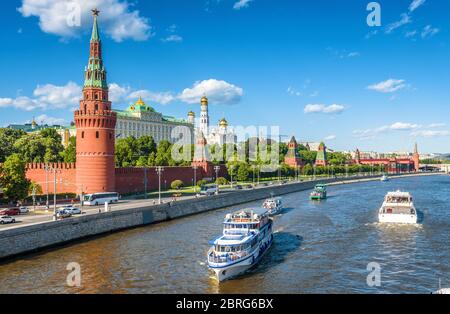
{"points": [[247, 236]]}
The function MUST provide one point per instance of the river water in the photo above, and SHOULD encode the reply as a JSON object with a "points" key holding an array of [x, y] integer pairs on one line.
{"points": [[318, 248]]}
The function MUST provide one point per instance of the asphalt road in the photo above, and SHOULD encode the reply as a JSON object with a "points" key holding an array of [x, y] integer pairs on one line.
{"points": [[41, 216]]}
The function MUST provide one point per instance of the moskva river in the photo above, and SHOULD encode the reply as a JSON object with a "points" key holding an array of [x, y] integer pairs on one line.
{"points": [[321, 247]]}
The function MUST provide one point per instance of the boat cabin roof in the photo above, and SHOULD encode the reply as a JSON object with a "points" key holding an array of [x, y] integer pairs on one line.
{"points": [[232, 239], [247, 213]]}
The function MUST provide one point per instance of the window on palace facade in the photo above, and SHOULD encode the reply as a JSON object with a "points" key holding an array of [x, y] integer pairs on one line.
{"points": [[82, 134], [110, 136], [96, 107], [97, 135]]}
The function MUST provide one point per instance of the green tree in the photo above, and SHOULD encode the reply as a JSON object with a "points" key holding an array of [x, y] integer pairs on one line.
{"points": [[7, 139], [243, 172], [164, 154], [309, 157], [176, 185], [70, 152], [44, 146], [35, 188], [13, 178], [126, 152]]}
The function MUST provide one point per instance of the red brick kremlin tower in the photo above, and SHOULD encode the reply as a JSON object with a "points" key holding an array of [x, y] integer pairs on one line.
{"points": [[95, 123], [292, 158]]}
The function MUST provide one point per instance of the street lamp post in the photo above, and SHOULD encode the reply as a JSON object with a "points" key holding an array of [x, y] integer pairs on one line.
{"points": [[231, 175], [254, 169], [159, 170], [217, 169]]}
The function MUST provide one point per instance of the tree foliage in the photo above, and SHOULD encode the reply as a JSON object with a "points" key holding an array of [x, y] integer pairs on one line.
{"points": [[13, 179]]}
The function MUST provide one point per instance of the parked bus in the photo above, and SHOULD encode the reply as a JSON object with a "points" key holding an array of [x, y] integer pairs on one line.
{"points": [[209, 189], [100, 198]]}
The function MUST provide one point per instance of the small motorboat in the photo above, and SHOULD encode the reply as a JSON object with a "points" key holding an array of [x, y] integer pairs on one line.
{"points": [[273, 205], [319, 192], [384, 178]]}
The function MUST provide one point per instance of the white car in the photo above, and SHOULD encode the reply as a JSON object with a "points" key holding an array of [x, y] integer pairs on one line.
{"points": [[24, 210], [72, 210], [7, 220]]}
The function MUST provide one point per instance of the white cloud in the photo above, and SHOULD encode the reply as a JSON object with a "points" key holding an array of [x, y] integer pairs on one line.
{"points": [[405, 19], [118, 93], [163, 98], [218, 92], [21, 102], [429, 31], [415, 5], [292, 91], [320, 108], [430, 133], [436, 125], [47, 96], [353, 54], [117, 19], [330, 138], [173, 38], [241, 4], [401, 126], [44, 119], [58, 96], [389, 86], [397, 126], [410, 34]]}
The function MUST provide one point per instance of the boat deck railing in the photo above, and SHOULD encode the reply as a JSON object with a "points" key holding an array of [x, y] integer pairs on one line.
{"points": [[227, 258]]}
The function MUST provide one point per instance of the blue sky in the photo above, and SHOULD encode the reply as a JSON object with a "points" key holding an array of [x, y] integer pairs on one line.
{"points": [[315, 68]]}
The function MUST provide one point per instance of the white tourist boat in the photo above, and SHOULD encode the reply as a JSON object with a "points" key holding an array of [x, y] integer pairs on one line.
{"points": [[273, 205], [247, 236], [384, 178], [398, 207]]}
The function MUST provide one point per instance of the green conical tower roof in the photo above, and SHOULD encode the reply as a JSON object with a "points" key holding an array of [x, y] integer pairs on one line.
{"points": [[95, 75], [95, 34]]}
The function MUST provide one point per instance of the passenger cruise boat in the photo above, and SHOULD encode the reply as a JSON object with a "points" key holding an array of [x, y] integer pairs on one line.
{"points": [[384, 178], [273, 205], [398, 207], [319, 193], [247, 236]]}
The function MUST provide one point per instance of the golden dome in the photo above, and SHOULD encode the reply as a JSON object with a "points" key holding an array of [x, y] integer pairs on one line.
{"points": [[223, 122], [140, 102], [191, 114], [204, 100]]}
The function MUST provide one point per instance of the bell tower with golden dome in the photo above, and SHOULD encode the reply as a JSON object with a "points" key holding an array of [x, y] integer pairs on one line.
{"points": [[204, 116]]}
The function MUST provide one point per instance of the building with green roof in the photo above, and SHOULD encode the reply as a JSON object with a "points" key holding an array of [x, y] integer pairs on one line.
{"points": [[140, 119]]}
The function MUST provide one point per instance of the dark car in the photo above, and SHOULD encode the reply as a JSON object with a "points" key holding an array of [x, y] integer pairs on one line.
{"points": [[238, 187], [10, 212]]}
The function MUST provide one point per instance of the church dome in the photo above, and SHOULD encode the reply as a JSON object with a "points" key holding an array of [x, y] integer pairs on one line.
{"points": [[223, 122], [191, 114], [204, 100]]}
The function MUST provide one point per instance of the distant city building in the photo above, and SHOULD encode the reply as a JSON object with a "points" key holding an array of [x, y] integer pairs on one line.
{"points": [[139, 120]]}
